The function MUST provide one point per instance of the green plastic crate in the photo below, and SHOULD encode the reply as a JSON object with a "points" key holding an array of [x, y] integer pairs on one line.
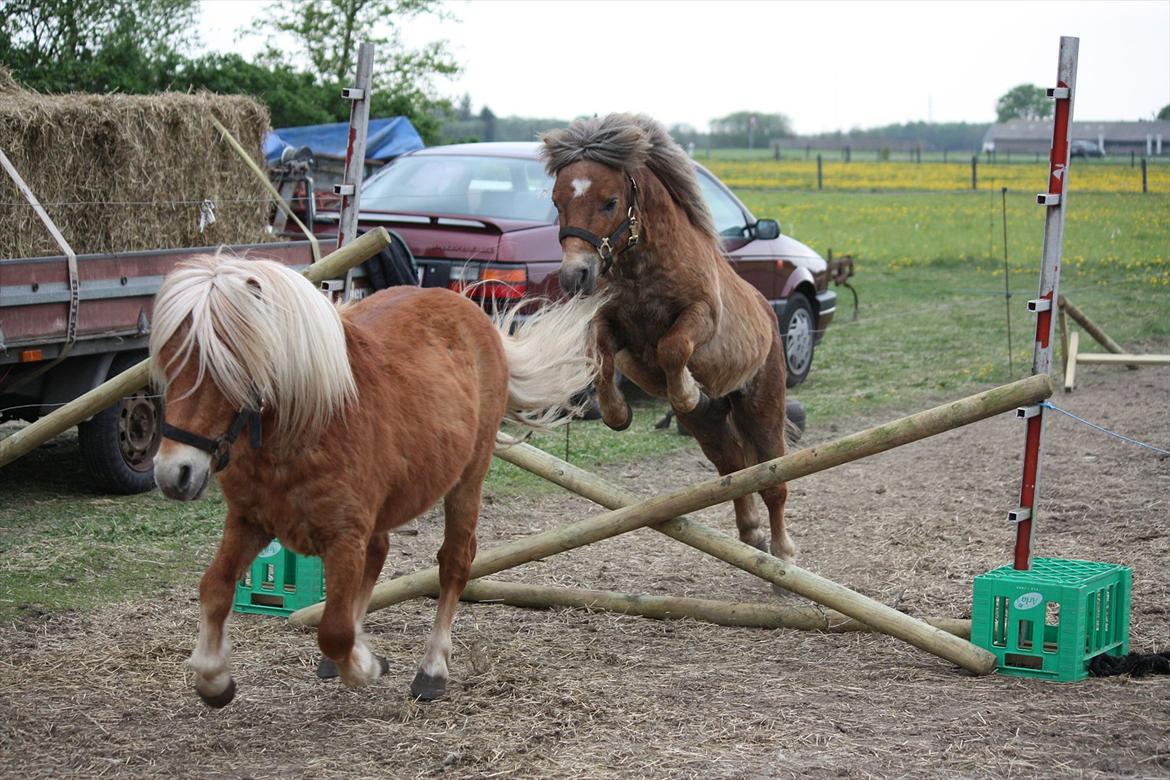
{"points": [[280, 582], [1052, 619]]}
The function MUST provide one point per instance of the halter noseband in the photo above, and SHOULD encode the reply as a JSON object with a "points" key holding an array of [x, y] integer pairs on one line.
{"points": [[220, 447], [605, 246]]}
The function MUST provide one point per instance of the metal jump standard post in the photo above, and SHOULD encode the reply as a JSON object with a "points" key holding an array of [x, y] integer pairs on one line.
{"points": [[1049, 617]]}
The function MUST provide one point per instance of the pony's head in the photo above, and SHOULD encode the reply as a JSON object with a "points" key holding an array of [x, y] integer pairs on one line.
{"points": [[596, 163], [233, 338]]}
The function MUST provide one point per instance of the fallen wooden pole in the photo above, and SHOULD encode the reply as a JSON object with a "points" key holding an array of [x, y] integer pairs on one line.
{"points": [[136, 377], [660, 509], [1091, 328], [721, 613], [1109, 359]]}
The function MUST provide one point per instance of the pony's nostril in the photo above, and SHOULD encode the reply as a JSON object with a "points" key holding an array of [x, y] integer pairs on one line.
{"points": [[184, 477]]}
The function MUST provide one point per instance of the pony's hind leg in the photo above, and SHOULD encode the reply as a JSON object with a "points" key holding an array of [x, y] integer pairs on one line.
{"points": [[718, 439], [460, 515], [348, 561], [759, 414], [241, 543]]}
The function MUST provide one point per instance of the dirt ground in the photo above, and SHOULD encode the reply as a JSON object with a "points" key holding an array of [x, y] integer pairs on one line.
{"points": [[573, 694]]}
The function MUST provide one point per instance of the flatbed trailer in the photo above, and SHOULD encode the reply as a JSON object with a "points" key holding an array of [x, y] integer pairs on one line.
{"points": [[54, 348]]}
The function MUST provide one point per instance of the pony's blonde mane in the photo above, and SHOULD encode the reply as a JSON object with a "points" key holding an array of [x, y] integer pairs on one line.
{"points": [[256, 327]]}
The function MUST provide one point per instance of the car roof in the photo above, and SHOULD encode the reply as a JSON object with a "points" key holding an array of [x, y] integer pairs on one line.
{"points": [[519, 149]]}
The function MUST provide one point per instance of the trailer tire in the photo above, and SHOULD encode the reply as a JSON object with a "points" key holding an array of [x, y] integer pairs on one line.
{"points": [[118, 444]]}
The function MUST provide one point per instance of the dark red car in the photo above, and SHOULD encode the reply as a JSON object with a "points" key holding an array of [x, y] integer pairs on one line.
{"points": [[483, 213]]}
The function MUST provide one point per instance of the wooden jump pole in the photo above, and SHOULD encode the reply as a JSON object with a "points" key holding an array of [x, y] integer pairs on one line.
{"points": [[136, 377], [721, 613], [662, 508], [1100, 336], [789, 576]]}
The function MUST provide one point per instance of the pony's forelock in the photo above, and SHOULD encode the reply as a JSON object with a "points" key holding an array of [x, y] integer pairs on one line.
{"points": [[627, 142], [255, 327]]}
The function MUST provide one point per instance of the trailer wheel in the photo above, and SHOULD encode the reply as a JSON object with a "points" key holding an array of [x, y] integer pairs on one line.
{"points": [[118, 444]]}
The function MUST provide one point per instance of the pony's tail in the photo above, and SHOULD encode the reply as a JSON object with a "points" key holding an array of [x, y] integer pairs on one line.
{"points": [[550, 364]]}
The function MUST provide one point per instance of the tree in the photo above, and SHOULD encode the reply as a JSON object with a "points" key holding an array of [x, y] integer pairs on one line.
{"points": [[327, 34], [464, 111], [96, 45], [735, 130], [1165, 112], [489, 124], [1026, 101]]}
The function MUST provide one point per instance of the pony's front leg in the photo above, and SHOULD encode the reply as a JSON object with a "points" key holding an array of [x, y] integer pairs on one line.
{"points": [[695, 326], [615, 409], [460, 515], [347, 561], [241, 543]]}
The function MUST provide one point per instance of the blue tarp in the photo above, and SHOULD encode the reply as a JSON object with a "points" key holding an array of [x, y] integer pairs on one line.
{"points": [[387, 139]]}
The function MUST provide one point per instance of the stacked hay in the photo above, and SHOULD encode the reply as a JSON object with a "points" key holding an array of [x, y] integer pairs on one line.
{"points": [[124, 172]]}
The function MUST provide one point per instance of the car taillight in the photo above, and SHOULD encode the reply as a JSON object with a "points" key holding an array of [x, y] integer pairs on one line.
{"points": [[489, 282]]}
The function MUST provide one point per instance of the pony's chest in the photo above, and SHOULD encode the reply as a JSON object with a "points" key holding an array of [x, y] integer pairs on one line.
{"points": [[641, 318]]}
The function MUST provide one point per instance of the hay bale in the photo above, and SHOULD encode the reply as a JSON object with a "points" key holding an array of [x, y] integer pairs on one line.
{"points": [[125, 172]]}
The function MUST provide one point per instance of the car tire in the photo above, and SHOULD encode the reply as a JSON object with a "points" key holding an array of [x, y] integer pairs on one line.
{"points": [[118, 444], [797, 328]]}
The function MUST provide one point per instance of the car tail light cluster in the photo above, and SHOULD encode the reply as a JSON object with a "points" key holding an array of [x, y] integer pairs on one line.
{"points": [[487, 282]]}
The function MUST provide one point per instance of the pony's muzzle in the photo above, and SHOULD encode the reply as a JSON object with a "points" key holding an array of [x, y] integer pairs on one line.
{"points": [[578, 272], [181, 471]]}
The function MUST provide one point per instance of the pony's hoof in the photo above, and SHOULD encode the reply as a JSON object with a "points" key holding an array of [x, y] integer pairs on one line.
{"points": [[326, 669], [625, 423], [383, 666], [428, 688], [221, 700]]}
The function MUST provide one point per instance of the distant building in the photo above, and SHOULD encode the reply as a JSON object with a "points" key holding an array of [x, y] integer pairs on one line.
{"points": [[1149, 138]]}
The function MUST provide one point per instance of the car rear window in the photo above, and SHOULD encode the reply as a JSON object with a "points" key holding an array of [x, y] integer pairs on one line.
{"points": [[501, 187]]}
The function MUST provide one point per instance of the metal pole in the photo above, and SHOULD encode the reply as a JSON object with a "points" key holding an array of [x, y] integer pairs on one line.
{"points": [[1044, 306], [355, 152], [820, 177], [1007, 286]]}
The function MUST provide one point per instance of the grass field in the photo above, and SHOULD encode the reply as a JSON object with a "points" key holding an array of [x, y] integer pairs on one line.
{"points": [[797, 173], [931, 327]]}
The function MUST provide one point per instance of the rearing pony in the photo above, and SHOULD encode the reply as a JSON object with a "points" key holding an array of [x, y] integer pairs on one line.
{"points": [[369, 413], [678, 321]]}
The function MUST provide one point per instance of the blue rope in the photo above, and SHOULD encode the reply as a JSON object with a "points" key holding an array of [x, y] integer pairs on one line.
{"points": [[1159, 450]]}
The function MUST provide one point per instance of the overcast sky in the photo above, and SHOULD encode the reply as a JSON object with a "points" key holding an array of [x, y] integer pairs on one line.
{"points": [[826, 65]]}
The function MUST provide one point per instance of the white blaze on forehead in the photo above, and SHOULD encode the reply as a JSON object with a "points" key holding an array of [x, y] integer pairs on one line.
{"points": [[580, 186]]}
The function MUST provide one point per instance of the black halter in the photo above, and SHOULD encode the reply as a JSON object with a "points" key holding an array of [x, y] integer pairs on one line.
{"points": [[220, 447], [605, 246]]}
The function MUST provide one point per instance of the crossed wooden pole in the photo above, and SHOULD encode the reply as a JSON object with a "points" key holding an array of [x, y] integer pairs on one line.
{"points": [[665, 513]]}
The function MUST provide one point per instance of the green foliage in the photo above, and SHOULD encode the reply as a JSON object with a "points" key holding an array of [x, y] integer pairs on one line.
{"points": [[327, 35], [95, 45], [293, 97], [1026, 101], [1165, 112], [102, 46]]}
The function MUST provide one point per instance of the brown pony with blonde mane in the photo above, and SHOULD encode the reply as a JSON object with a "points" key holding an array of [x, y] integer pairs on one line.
{"points": [[678, 321], [370, 414]]}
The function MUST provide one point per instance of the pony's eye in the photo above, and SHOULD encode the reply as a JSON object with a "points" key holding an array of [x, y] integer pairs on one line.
{"points": [[610, 205]]}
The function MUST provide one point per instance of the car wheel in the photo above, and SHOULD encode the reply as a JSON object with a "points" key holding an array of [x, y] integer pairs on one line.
{"points": [[118, 444], [797, 328]]}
